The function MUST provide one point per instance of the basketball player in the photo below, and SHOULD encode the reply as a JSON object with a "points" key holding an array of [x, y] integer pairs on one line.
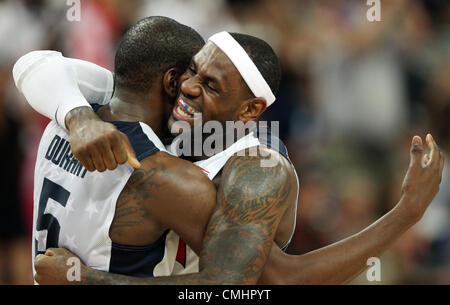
{"points": [[358, 253], [106, 235]]}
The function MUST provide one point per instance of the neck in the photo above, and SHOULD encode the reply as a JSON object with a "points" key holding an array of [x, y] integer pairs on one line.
{"points": [[128, 106]]}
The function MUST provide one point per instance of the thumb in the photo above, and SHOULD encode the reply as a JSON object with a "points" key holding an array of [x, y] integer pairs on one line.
{"points": [[416, 152], [131, 155], [50, 252], [39, 257], [133, 161]]}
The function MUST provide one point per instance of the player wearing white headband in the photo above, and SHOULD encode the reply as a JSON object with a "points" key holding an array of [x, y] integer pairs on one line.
{"points": [[244, 64], [264, 200], [232, 78], [252, 200]]}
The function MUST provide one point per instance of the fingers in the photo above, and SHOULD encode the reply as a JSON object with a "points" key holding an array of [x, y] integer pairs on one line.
{"points": [[426, 159], [416, 152], [431, 146], [39, 257], [123, 151], [87, 163], [133, 161], [131, 156], [436, 158], [83, 157], [119, 150], [109, 160], [97, 159], [50, 252], [56, 251], [104, 151]]}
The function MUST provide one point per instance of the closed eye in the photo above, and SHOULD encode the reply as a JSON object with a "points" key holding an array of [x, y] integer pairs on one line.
{"points": [[208, 85], [192, 70]]}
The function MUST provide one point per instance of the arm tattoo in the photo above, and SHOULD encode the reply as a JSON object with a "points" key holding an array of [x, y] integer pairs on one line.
{"points": [[131, 209], [250, 203]]}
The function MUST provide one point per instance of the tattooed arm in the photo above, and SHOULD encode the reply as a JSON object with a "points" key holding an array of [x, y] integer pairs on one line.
{"points": [[250, 203], [334, 264], [344, 260]]}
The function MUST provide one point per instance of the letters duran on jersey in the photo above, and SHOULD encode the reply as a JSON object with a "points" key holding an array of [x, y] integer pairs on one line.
{"points": [[74, 208]]}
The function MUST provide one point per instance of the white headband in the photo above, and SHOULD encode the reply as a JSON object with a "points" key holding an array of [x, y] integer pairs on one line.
{"points": [[245, 65]]}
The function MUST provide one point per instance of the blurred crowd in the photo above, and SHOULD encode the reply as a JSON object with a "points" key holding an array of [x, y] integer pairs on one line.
{"points": [[353, 94]]}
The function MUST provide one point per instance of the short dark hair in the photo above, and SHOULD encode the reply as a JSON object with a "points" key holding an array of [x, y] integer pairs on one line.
{"points": [[150, 48], [264, 58]]}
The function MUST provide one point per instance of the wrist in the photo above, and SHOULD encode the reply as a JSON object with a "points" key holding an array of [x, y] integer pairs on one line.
{"points": [[79, 115], [405, 212], [85, 275]]}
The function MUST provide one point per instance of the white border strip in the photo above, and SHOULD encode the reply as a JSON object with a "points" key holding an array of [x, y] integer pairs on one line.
{"points": [[245, 65]]}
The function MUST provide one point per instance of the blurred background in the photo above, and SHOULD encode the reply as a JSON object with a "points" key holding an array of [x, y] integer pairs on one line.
{"points": [[352, 96]]}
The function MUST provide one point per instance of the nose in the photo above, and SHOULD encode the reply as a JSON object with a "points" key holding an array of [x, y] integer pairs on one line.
{"points": [[191, 88]]}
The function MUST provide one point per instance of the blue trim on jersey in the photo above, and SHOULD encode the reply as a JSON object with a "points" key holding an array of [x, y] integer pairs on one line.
{"points": [[139, 261], [136, 261], [142, 145], [95, 106], [265, 137]]}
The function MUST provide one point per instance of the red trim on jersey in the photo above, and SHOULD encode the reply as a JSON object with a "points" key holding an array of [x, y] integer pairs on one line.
{"points": [[181, 253], [204, 170]]}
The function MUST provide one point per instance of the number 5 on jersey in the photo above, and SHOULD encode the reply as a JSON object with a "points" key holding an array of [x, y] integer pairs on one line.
{"points": [[47, 221]]}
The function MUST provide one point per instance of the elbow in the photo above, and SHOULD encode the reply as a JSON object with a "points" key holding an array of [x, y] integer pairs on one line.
{"points": [[28, 62]]}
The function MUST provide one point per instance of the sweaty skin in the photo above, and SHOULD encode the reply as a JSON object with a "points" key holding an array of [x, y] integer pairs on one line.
{"points": [[268, 192], [335, 264], [265, 195]]}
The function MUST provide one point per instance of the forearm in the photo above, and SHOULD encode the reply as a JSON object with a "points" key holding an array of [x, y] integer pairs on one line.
{"points": [[230, 266], [96, 277], [342, 261], [79, 116], [47, 84], [95, 83], [50, 83]]}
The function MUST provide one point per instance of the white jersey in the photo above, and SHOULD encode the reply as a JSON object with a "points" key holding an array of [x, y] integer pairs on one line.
{"points": [[74, 208], [186, 261]]}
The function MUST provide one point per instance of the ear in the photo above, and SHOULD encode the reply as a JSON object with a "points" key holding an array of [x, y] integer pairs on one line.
{"points": [[252, 109], [170, 82]]}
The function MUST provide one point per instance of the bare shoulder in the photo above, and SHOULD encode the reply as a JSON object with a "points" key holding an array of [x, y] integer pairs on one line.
{"points": [[170, 189], [259, 175], [167, 169], [254, 193], [259, 164]]}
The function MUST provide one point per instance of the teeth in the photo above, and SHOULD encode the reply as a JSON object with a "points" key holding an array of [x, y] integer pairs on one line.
{"points": [[191, 110], [182, 112], [186, 107]]}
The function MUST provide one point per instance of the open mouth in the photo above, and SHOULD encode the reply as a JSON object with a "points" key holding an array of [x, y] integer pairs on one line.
{"points": [[183, 111]]}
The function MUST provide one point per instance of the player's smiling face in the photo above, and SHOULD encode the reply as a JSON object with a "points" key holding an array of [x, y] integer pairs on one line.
{"points": [[212, 87]]}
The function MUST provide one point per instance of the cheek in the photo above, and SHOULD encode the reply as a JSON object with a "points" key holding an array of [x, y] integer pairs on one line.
{"points": [[216, 106], [214, 113]]}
